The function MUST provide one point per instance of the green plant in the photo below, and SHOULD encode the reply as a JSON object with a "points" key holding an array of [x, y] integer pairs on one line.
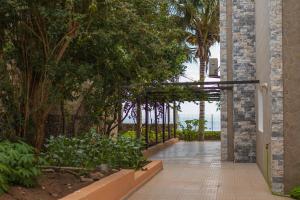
{"points": [[130, 134], [92, 149], [189, 129], [18, 165], [127, 153], [212, 135], [295, 193], [152, 136]]}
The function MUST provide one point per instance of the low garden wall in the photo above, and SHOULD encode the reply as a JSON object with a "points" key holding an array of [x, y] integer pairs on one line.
{"points": [[118, 185], [154, 149]]}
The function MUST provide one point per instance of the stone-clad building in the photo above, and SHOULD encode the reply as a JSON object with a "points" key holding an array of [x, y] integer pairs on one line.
{"points": [[260, 40]]}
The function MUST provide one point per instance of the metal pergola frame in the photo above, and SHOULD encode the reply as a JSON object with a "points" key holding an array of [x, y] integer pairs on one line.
{"points": [[212, 90]]}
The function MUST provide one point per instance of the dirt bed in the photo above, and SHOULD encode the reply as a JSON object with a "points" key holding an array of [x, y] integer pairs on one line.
{"points": [[51, 186]]}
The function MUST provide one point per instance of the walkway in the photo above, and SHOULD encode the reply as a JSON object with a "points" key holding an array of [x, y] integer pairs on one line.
{"points": [[193, 171]]}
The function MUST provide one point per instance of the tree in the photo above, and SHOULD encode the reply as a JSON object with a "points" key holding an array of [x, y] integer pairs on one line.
{"points": [[201, 19], [53, 52], [145, 47]]}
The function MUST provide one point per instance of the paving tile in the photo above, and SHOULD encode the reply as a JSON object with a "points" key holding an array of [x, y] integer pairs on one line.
{"points": [[193, 171]]}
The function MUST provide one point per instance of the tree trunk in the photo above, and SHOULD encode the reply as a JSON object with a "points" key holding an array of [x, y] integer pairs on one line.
{"points": [[40, 121], [41, 111], [202, 103]]}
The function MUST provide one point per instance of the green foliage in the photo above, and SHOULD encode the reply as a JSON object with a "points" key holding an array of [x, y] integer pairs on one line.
{"points": [[212, 135], [92, 149], [129, 134], [189, 130], [57, 51], [194, 135], [18, 165], [188, 135], [295, 193], [152, 136]]}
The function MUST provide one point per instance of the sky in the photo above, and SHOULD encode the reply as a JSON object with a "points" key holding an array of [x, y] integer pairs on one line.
{"points": [[192, 72]]}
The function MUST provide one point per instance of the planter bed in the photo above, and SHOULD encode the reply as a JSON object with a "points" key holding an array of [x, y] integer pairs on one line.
{"points": [[66, 186], [52, 185]]}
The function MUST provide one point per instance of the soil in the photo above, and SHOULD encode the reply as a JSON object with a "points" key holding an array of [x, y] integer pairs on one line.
{"points": [[51, 186]]}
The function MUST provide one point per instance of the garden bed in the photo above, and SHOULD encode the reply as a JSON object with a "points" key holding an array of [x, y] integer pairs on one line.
{"points": [[66, 186], [65, 165], [51, 186]]}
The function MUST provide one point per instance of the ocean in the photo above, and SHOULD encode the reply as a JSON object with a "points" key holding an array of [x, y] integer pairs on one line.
{"points": [[213, 121]]}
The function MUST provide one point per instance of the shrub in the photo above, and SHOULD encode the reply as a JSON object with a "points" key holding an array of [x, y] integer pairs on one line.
{"points": [[188, 135], [130, 134], [152, 136], [18, 165], [127, 153], [189, 129], [91, 150], [295, 193], [212, 135]]}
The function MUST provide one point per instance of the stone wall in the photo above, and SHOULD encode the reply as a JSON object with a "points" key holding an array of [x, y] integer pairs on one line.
{"points": [[244, 69], [276, 78], [223, 71]]}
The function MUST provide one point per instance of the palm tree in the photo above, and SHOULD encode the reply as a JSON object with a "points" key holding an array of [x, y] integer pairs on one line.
{"points": [[201, 19]]}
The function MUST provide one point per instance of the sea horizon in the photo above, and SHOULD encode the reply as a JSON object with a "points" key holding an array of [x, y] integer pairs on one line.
{"points": [[213, 121]]}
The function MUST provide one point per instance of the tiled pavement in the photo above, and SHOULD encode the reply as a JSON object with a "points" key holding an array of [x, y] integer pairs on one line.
{"points": [[193, 171]]}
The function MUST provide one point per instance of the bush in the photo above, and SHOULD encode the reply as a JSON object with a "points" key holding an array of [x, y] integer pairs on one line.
{"points": [[295, 193], [18, 165], [91, 150], [188, 135], [212, 135], [189, 130], [193, 135], [129, 134], [152, 136]]}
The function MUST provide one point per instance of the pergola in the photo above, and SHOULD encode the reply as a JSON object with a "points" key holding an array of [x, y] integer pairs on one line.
{"points": [[166, 94]]}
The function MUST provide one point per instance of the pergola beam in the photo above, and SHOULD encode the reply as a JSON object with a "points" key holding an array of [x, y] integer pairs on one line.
{"points": [[212, 83]]}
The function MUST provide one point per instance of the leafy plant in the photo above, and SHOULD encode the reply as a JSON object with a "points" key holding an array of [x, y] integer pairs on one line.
{"points": [[129, 134], [295, 193], [152, 136], [18, 165], [212, 135], [127, 153], [92, 149], [190, 129]]}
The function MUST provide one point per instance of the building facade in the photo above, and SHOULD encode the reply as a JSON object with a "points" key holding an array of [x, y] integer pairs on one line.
{"points": [[260, 40]]}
